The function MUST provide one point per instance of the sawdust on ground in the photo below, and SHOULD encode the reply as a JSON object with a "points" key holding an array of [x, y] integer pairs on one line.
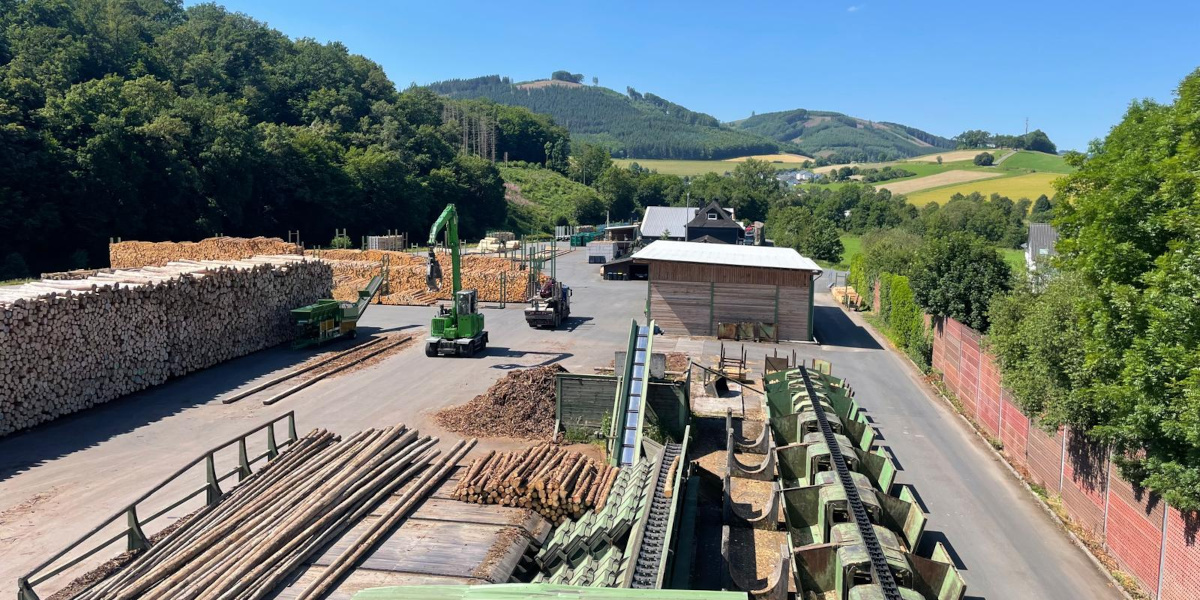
{"points": [[410, 338], [755, 494], [938, 180], [25, 506], [505, 540], [754, 555], [115, 563], [519, 405]]}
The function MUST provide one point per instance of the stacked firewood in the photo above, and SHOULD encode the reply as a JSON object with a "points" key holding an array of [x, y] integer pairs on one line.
{"points": [[68, 345], [125, 255], [553, 482], [406, 281]]}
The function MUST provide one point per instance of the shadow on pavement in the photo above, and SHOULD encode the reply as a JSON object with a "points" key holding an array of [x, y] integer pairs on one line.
{"points": [[930, 539], [834, 328], [500, 351]]}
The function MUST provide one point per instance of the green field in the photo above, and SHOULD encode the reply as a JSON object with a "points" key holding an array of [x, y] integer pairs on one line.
{"points": [[1023, 161], [1016, 187], [691, 168], [1015, 258], [1037, 161], [852, 245]]}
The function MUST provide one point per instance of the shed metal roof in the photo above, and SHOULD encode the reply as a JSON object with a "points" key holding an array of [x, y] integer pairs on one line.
{"points": [[727, 254], [1042, 238], [673, 219]]}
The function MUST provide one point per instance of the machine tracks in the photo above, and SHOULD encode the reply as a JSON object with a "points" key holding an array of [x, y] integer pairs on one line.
{"points": [[879, 564], [649, 557]]}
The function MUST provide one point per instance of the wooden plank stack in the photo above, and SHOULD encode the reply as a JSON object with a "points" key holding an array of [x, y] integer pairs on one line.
{"points": [[126, 255], [354, 268], [553, 482], [68, 345]]}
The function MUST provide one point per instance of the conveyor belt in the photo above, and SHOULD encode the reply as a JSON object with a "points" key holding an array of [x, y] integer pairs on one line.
{"points": [[634, 389], [649, 556], [883, 573]]}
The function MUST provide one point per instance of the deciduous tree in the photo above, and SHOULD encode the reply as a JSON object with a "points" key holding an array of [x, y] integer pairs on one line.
{"points": [[956, 276]]}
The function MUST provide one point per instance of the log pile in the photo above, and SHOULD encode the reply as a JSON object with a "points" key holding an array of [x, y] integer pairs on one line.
{"points": [[68, 345], [272, 522], [126, 255], [354, 268], [519, 405], [553, 482]]}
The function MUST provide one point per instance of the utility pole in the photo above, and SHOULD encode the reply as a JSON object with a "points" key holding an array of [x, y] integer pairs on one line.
{"points": [[1026, 125]]}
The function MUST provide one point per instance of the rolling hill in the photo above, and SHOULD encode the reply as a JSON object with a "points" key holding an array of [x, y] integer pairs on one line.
{"points": [[824, 133], [631, 125]]}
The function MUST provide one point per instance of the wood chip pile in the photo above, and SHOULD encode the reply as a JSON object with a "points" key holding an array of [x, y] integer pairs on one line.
{"points": [[266, 527], [519, 405], [125, 255], [354, 268], [553, 482], [68, 345]]}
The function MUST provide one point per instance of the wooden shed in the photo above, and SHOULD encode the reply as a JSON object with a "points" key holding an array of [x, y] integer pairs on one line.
{"points": [[694, 288]]}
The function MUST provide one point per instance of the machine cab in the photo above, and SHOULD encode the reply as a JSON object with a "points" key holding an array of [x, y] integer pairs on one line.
{"points": [[465, 302]]}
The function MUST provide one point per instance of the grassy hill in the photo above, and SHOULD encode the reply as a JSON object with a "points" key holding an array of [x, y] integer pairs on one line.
{"points": [[538, 197], [631, 125], [823, 133]]}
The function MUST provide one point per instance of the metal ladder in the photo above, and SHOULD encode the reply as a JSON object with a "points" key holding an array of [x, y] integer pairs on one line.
{"points": [[879, 565], [635, 386], [649, 556]]}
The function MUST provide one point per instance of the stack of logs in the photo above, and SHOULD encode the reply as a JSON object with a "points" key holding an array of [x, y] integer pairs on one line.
{"points": [[547, 479], [352, 270], [267, 527], [126, 255], [68, 345]]}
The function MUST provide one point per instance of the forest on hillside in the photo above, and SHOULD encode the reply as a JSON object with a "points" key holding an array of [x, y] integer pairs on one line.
{"points": [[842, 139], [147, 120], [636, 125]]}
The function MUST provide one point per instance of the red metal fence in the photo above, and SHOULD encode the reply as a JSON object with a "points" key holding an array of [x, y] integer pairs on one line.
{"points": [[1150, 540]]}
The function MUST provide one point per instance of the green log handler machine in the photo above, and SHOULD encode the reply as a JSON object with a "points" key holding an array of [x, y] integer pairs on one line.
{"points": [[456, 330], [326, 320]]}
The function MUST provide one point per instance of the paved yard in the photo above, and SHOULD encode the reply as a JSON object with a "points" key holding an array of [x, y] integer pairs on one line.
{"points": [[59, 480]]}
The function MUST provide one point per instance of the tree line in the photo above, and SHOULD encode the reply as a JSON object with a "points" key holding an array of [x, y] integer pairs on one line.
{"points": [[637, 125], [152, 121], [1102, 337], [1105, 338], [835, 138], [1035, 140]]}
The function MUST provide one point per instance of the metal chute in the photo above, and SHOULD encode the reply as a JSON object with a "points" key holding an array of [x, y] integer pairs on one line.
{"points": [[433, 273]]}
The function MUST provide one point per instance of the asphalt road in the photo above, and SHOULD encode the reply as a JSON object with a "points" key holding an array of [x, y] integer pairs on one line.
{"points": [[59, 480], [1004, 543]]}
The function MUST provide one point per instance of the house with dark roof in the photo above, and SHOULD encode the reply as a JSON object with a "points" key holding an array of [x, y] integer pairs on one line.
{"points": [[717, 223]]}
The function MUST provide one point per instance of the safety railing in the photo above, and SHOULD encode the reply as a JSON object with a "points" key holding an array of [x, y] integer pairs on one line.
{"points": [[133, 532]]}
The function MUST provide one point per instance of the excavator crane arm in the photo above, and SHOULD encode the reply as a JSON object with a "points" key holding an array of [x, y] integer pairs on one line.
{"points": [[433, 273]]}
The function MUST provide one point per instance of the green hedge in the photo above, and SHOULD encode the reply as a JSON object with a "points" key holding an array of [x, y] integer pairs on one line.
{"points": [[903, 320]]}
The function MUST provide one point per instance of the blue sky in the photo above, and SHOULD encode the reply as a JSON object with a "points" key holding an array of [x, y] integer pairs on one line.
{"points": [[1070, 67]]}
